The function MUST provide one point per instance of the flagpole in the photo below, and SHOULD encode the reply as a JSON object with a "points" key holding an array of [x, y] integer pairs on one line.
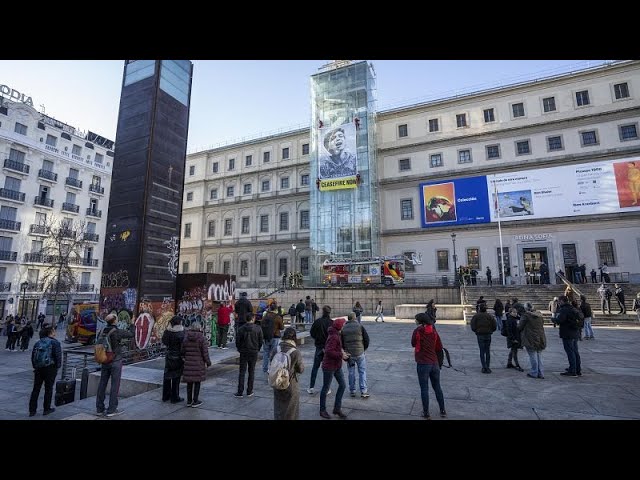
{"points": [[497, 206]]}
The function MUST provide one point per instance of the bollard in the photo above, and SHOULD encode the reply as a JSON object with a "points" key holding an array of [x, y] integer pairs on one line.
{"points": [[84, 383]]}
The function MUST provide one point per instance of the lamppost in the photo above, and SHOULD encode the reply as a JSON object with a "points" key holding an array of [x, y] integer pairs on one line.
{"points": [[23, 287], [295, 262], [455, 260]]}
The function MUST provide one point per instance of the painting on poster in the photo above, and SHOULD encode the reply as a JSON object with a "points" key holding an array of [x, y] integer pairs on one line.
{"points": [[337, 156], [455, 202]]}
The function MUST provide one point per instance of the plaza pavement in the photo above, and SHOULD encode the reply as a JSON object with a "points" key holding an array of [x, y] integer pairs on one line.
{"points": [[608, 390]]}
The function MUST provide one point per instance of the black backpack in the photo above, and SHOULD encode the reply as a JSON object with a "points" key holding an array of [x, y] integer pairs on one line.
{"points": [[267, 324], [579, 317]]}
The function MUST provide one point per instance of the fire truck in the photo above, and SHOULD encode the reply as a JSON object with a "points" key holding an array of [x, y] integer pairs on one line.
{"points": [[387, 271]]}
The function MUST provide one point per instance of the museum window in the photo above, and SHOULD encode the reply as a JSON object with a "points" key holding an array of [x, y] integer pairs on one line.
{"points": [[549, 104], [435, 160], [232, 164], [582, 98], [404, 164], [22, 129], [461, 120], [589, 138], [523, 148], [266, 157], [228, 225], [192, 170], [628, 132], [434, 125], [266, 185], [185, 267], [304, 180], [284, 183], [211, 228], [263, 267], [187, 230], [284, 221], [442, 257], [209, 267], [518, 110], [246, 189], [621, 90], [493, 152], [244, 268], [213, 195], [282, 266], [304, 266], [304, 219], [264, 223], [489, 115], [248, 160], [245, 225], [403, 131], [305, 149], [285, 153], [464, 156], [189, 196], [226, 267], [215, 167], [554, 143], [606, 253], [230, 191], [408, 265], [473, 258], [406, 209]]}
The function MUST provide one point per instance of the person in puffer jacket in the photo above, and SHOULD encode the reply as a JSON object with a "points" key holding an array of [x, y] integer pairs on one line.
{"points": [[332, 367], [196, 360], [427, 343], [514, 342], [531, 327]]}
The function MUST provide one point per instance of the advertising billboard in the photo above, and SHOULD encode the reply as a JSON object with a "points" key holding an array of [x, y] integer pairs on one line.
{"points": [[610, 186], [337, 159]]}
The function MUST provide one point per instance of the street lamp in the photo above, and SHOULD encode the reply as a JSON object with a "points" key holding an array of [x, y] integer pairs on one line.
{"points": [[295, 262], [455, 259], [23, 287]]}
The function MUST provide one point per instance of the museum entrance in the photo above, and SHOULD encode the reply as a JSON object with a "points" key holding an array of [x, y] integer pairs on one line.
{"points": [[534, 258]]}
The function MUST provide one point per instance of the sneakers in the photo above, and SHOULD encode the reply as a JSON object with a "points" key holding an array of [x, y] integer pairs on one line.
{"points": [[250, 394], [100, 414], [310, 391], [364, 395], [196, 404], [353, 394], [238, 395], [568, 374], [426, 416], [189, 404], [324, 414], [113, 414], [443, 413], [224, 348], [47, 412]]}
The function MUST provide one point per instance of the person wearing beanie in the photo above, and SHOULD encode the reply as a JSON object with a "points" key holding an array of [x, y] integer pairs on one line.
{"points": [[332, 367], [426, 343], [356, 340], [318, 332], [286, 403]]}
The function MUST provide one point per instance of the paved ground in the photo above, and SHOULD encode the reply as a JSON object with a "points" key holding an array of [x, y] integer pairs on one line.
{"points": [[609, 388]]}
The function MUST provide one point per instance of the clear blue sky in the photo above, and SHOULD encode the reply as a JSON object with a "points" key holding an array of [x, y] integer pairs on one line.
{"points": [[232, 99]]}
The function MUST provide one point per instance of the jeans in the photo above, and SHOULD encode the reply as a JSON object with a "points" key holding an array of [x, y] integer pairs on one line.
{"points": [[571, 348], [380, 316], [247, 362], [361, 363], [607, 302], [499, 319], [317, 361], [222, 335], [578, 276], [113, 371], [588, 329], [535, 357], [267, 346], [428, 371], [484, 342], [326, 384], [307, 316], [46, 375]]}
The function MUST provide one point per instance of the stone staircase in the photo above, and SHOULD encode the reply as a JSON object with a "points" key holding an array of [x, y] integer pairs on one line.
{"points": [[541, 295]]}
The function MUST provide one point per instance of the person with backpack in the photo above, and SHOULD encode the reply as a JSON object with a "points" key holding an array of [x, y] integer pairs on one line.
{"points": [[248, 343], [195, 352], [271, 326], [318, 332], [292, 313], [426, 343], [483, 325], [380, 311], [355, 341], [173, 337], [332, 367], [46, 359], [242, 308], [111, 370], [358, 310], [286, 402], [569, 333]]}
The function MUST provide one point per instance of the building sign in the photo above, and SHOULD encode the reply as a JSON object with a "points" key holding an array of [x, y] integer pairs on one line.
{"points": [[98, 140], [532, 237], [15, 95], [611, 186], [57, 124], [337, 159]]}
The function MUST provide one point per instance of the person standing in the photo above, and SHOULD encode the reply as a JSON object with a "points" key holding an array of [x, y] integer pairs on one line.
{"points": [[479, 302], [594, 276], [357, 309], [636, 306], [514, 342], [531, 327], [498, 309], [604, 276], [569, 333], [224, 320], [248, 343], [553, 308], [41, 319], [431, 311], [196, 360], [284, 280], [286, 403], [271, 325], [173, 337], [355, 341], [489, 279], [332, 367], [308, 307], [293, 313], [314, 309], [619, 292], [26, 335], [242, 308], [426, 343], [380, 311], [111, 370], [300, 311], [605, 298], [585, 308], [45, 374], [483, 325], [318, 332]]}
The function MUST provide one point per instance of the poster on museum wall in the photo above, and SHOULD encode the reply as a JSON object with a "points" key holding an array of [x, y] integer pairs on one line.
{"points": [[454, 202], [337, 158]]}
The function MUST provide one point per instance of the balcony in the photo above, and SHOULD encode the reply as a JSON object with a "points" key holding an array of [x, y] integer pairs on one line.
{"points": [[70, 207], [11, 225], [96, 189], [85, 287], [35, 287], [43, 202], [38, 229], [48, 175], [5, 286], [73, 182], [67, 233], [92, 212], [7, 256], [16, 166], [91, 237], [88, 262], [13, 195], [35, 258]]}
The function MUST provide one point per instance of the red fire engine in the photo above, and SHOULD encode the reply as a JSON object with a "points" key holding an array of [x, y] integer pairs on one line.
{"points": [[368, 271]]}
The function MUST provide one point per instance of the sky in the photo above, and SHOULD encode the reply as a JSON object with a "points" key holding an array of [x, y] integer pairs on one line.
{"points": [[234, 100]]}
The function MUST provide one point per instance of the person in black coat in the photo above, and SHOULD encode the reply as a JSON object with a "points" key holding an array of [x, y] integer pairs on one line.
{"points": [[248, 343], [514, 342], [173, 337], [319, 332], [569, 333]]}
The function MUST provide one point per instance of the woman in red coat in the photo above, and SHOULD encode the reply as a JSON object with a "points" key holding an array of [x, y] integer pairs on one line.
{"points": [[196, 361], [332, 367]]}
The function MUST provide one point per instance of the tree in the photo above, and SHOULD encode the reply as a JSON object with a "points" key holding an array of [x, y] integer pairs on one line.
{"points": [[62, 249]]}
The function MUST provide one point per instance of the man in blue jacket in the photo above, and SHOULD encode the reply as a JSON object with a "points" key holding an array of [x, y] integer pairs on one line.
{"points": [[45, 374]]}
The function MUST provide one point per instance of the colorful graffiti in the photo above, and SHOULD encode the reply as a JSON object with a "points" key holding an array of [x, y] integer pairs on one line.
{"points": [[172, 263], [119, 279], [83, 325], [150, 327]]}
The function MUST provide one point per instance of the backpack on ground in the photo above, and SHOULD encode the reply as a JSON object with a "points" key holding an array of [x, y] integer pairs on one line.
{"points": [[42, 355], [103, 353], [279, 374]]}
